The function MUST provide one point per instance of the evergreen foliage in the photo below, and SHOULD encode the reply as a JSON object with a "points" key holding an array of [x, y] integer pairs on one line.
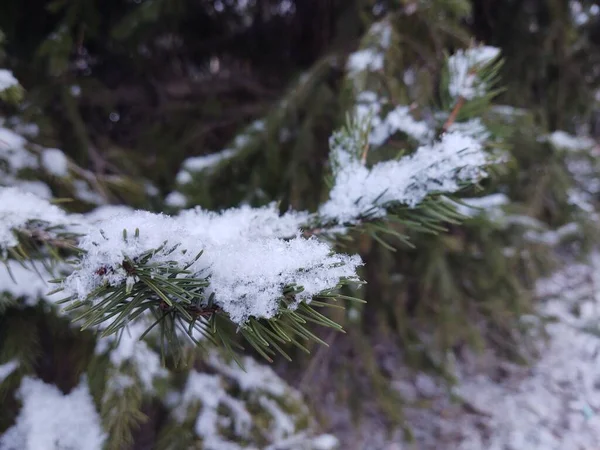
{"points": [[378, 151]]}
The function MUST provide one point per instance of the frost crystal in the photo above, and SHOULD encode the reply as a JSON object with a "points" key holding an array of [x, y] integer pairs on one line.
{"points": [[463, 66]]}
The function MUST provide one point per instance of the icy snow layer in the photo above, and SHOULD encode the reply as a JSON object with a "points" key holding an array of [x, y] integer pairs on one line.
{"points": [[50, 420], [440, 167], [463, 67]]}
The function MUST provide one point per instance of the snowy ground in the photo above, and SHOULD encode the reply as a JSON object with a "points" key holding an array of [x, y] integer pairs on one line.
{"points": [[554, 404]]}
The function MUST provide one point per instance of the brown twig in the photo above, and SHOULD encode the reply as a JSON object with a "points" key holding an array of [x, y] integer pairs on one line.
{"points": [[363, 158], [452, 118]]}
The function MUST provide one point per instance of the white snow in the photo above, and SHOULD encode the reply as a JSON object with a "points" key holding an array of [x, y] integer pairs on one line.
{"points": [[14, 154], [245, 259], [480, 205], [254, 377], [107, 248], [399, 119], [55, 162], [7, 80], [18, 208], [50, 420], [556, 406], [441, 167], [176, 200], [208, 391], [7, 368], [463, 66], [366, 59], [84, 193], [126, 347], [563, 140], [200, 163], [27, 283], [371, 57], [245, 222], [37, 188]]}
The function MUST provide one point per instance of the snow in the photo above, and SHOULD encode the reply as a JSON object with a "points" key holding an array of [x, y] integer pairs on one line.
{"points": [[248, 279], [243, 223], [14, 153], [556, 406], [50, 420], [18, 208], [480, 205], [473, 128], [325, 442], [245, 259], [563, 140], [27, 283], [106, 247], [55, 162], [372, 56], [552, 237], [105, 212], [255, 377], [200, 163], [208, 391], [226, 398], [176, 200], [37, 188], [183, 177], [84, 193], [359, 191], [126, 347], [7, 80], [399, 119], [366, 59], [7, 368], [463, 66]]}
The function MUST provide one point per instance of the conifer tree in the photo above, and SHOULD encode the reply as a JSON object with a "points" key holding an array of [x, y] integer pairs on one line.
{"points": [[155, 283]]}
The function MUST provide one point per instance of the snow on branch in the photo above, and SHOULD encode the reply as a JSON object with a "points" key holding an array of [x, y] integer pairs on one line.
{"points": [[398, 119], [359, 191], [245, 264], [20, 209], [7, 80], [463, 69], [49, 419]]}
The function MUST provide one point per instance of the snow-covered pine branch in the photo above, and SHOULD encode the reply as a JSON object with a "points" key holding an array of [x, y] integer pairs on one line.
{"points": [[262, 272]]}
